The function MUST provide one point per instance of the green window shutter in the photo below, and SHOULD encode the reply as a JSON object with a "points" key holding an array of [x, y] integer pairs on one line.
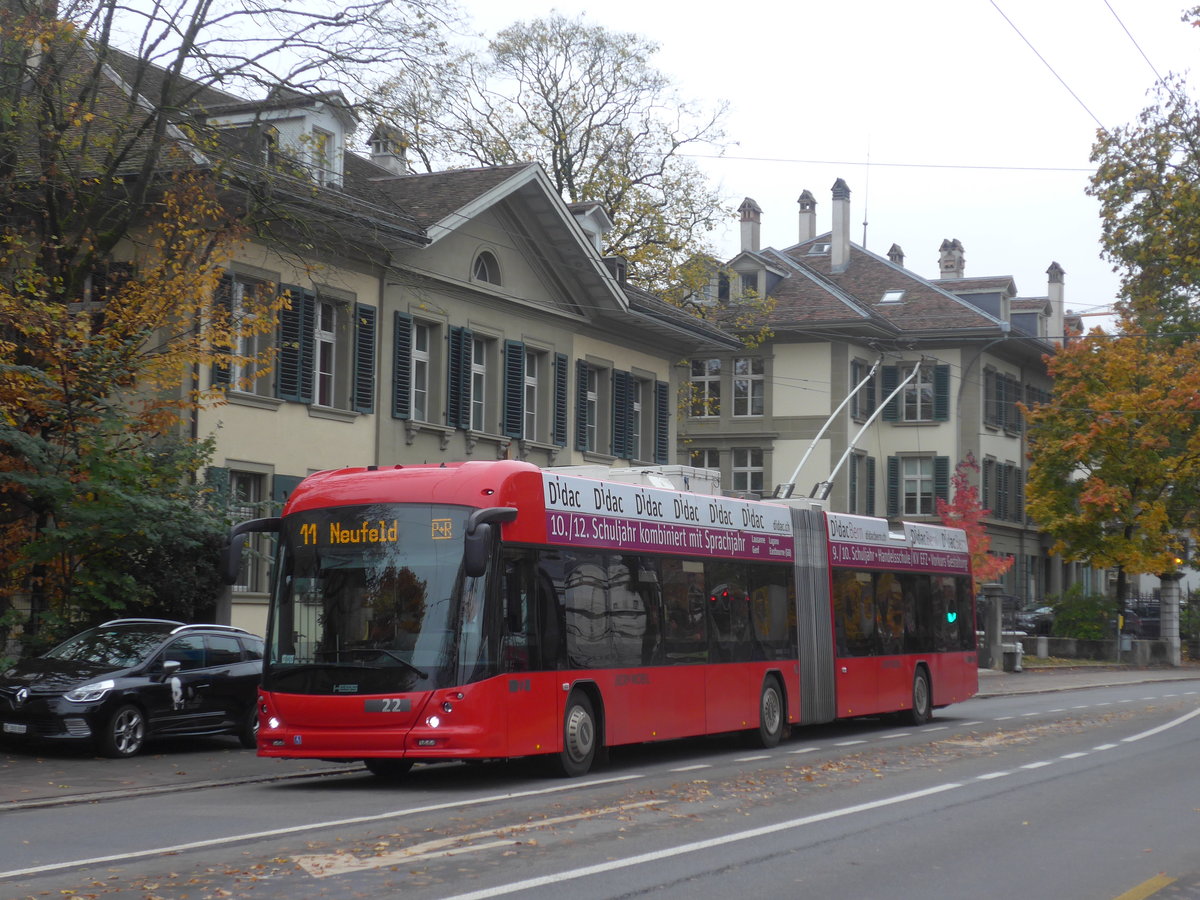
{"points": [[870, 511], [852, 479], [581, 381], [223, 299], [561, 364], [941, 479], [364, 358], [458, 380], [893, 485], [941, 393], [890, 378], [296, 324], [662, 422], [621, 408], [402, 326], [514, 389]]}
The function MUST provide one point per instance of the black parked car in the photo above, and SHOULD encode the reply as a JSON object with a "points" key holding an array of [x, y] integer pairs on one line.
{"points": [[129, 680]]}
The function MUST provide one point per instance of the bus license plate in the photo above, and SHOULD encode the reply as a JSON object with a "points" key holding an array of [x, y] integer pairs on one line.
{"points": [[387, 705]]}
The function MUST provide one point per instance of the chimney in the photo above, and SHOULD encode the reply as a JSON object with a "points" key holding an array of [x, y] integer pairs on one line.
{"points": [[1055, 290], [751, 224], [896, 255], [951, 261], [839, 250], [808, 215], [389, 149]]}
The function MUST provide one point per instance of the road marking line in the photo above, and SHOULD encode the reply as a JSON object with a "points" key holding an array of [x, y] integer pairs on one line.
{"points": [[1073, 755], [1147, 888], [1105, 746], [848, 743], [991, 775], [657, 855], [327, 864], [898, 734], [934, 728], [752, 758], [1038, 765], [1161, 728], [803, 750], [692, 768], [312, 826]]}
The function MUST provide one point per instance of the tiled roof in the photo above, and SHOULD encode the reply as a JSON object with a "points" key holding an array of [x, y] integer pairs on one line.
{"points": [[432, 197]]}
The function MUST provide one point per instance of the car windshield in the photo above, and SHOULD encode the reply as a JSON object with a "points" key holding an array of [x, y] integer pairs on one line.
{"points": [[367, 599], [118, 646]]}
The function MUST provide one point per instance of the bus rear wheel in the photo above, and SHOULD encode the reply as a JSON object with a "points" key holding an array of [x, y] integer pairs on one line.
{"points": [[922, 699], [388, 768], [579, 737], [770, 714]]}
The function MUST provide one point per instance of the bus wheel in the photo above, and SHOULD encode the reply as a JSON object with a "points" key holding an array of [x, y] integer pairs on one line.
{"points": [[579, 737], [922, 705], [770, 714], [388, 768]]}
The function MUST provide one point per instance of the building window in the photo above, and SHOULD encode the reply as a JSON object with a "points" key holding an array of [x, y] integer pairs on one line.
{"points": [[862, 404], [591, 417], [486, 268], [420, 372], [326, 352], [748, 470], [706, 458], [861, 476], [916, 475], [748, 386], [636, 387], [706, 388], [241, 296], [325, 341], [322, 156], [918, 397], [532, 373], [247, 493], [479, 384]]}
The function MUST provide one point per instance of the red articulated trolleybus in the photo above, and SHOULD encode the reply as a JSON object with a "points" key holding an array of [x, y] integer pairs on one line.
{"points": [[489, 610]]}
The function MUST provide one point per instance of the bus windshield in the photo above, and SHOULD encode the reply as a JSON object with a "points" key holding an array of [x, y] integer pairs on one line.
{"points": [[367, 600]]}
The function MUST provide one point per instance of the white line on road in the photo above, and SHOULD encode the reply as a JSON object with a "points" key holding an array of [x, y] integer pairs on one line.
{"points": [[657, 855], [311, 826]]}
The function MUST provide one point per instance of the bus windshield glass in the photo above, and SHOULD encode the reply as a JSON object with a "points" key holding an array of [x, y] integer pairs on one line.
{"points": [[367, 599]]}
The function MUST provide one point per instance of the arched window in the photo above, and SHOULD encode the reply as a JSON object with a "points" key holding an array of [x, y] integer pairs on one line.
{"points": [[486, 268]]}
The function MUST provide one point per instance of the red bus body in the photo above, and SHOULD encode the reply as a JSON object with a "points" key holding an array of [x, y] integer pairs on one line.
{"points": [[835, 644]]}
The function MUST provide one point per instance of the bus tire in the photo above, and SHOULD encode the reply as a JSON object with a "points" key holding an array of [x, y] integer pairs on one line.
{"points": [[388, 768], [770, 713], [579, 736], [922, 698]]}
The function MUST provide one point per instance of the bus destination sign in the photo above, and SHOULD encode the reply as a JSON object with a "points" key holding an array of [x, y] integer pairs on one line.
{"points": [[584, 512]]}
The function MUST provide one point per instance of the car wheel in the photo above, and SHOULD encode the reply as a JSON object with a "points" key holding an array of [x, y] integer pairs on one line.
{"points": [[770, 714], [388, 768], [922, 697], [248, 730], [579, 737], [124, 733]]}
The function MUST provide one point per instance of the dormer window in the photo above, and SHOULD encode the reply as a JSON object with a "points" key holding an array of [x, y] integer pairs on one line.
{"points": [[486, 268], [892, 297], [322, 156], [270, 146]]}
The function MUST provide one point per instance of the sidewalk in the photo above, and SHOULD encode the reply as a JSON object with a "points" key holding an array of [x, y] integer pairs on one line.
{"points": [[51, 776]]}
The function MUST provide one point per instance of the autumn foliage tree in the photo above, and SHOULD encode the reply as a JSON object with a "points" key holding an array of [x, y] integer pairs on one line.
{"points": [[965, 510], [118, 209], [1115, 453]]}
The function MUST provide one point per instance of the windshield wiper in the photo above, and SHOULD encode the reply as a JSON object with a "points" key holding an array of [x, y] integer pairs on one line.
{"points": [[371, 650]]}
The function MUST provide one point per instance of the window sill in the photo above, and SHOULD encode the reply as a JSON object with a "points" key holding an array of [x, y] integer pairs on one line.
{"points": [[499, 442], [602, 459], [255, 401], [332, 414], [413, 427]]}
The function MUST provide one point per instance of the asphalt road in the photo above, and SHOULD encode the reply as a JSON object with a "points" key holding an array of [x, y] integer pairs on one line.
{"points": [[1029, 791]]}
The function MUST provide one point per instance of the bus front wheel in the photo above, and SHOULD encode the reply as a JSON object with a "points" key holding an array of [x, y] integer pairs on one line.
{"points": [[770, 714], [922, 699], [579, 737]]}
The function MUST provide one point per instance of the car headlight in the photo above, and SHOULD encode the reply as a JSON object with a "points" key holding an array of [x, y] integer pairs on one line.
{"points": [[90, 693]]}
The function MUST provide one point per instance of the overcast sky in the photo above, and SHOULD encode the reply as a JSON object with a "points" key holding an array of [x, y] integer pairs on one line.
{"points": [[939, 116]]}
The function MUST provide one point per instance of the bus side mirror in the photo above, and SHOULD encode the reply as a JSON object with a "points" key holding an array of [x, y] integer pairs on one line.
{"points": [[231, 554], [477, 546]]}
